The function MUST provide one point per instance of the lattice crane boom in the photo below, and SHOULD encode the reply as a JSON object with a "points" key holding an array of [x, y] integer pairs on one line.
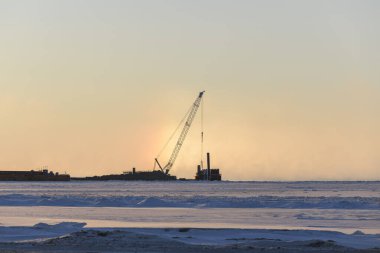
{"points": [[183, 134]]}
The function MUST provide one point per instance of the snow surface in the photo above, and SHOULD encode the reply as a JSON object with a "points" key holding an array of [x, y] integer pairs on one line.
{"points": [[38, 231], [310, 195], [211, 212], [44, 231], [343, 220], [227, 236]]}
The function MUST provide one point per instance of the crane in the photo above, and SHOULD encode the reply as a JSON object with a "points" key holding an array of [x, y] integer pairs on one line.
{"points": [[190, 117]]}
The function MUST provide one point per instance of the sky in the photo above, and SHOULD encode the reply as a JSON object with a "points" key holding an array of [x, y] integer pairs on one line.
{"points": [[92, 87]]}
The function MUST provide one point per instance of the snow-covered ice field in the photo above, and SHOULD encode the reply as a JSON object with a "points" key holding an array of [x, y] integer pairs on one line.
{"points": [[315, 195], [346, 212]]}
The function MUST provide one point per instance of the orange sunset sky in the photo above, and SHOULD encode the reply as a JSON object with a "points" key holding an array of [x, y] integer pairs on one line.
{"points": [[96, 87]]}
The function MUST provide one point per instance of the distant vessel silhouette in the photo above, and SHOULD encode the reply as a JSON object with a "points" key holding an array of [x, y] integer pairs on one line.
{"points": [[133, 175], [32, 175]]}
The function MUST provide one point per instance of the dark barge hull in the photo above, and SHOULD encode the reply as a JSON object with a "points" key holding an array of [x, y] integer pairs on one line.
{"points": [[32, 176], [143, 175]]}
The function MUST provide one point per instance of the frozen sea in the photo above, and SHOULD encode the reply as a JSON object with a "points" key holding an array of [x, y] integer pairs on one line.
{"points": [[334, 206]]}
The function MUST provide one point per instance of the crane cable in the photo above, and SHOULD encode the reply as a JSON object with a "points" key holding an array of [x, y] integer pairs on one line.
{"points": [[172, 135], [202, 133]]}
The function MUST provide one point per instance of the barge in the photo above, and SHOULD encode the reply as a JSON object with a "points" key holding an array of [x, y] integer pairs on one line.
{"points": [[32, 175], [154, 175]]}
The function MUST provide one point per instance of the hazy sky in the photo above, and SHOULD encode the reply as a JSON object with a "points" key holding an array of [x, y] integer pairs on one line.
{"points": [[97, 87]]}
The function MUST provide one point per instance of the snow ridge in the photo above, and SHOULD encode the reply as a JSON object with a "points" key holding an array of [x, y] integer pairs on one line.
{"points": [[198, 201]]}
